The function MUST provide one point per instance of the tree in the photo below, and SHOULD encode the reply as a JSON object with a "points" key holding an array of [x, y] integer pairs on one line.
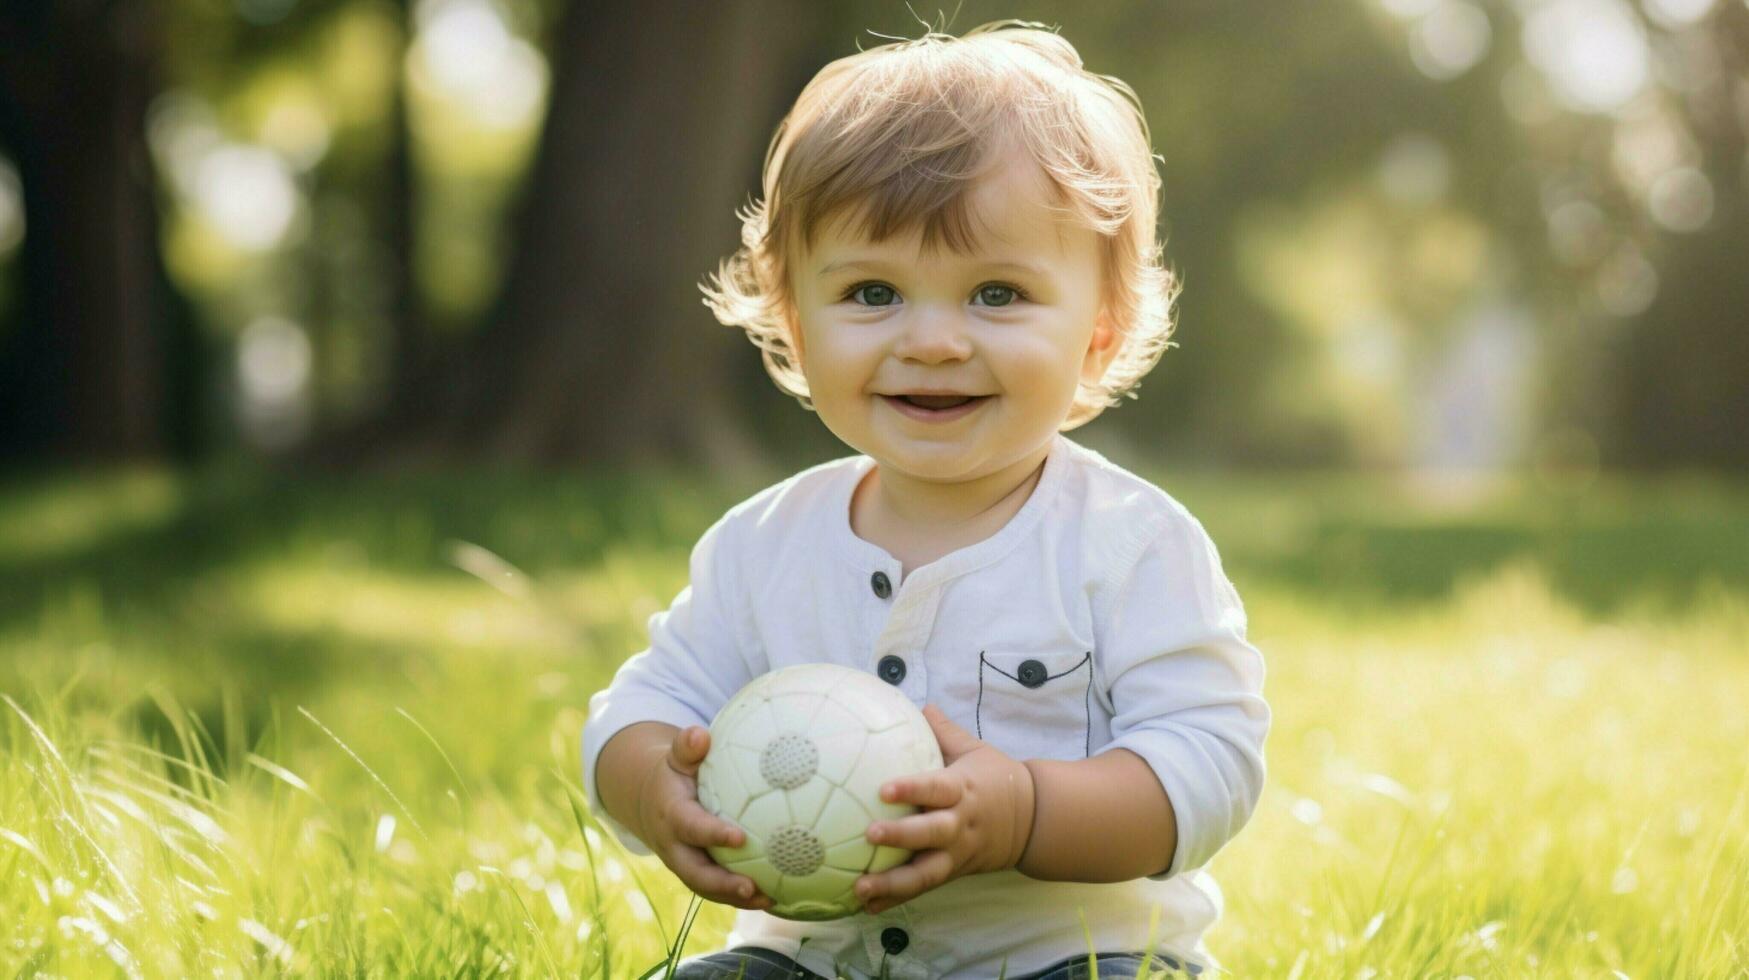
{"points": [[86, 371], [599, 349]]}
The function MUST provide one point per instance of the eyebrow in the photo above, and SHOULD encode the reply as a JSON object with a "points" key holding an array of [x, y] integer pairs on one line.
{"points": [[830, 267]]}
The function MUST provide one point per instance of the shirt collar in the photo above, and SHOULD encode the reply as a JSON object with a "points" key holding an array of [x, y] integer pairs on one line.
{"points": [[869, 556]]}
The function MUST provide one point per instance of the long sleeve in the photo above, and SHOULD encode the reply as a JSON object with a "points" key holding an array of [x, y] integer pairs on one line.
{"points": [[695, 662], [1187, 687]]}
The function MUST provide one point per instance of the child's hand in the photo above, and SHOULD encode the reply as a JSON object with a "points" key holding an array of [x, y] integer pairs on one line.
{"points": [[977, 817], [678, 828]]}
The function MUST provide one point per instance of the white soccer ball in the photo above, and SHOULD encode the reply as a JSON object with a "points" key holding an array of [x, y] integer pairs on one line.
{"points": [[797, 760]]}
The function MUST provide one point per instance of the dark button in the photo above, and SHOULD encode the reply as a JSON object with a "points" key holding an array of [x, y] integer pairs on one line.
{"points": [[882, 587], [1032, 673], [894, 940], [891, 669]]}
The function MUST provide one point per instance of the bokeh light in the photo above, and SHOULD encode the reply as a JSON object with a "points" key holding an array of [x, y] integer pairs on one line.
{"points": [[1450, 40], [1578, 233], [1646, 145], [1525, 93], [1593, 51], [297, 129], [1415, 169], [274, 358], [1682, 199], [248, 194], [467, 52], [1626, 282]]}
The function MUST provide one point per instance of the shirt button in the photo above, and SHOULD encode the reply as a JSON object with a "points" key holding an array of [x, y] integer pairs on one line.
{"points": [[891, 669], [894, 940], [882, 586], [1032, 673]]}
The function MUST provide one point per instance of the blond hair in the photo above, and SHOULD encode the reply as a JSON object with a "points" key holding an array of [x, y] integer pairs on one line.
{"points": [[900, 133]]}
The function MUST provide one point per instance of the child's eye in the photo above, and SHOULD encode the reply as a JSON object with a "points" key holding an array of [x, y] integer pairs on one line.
{"points": [[877, 294], [1000, 294]]}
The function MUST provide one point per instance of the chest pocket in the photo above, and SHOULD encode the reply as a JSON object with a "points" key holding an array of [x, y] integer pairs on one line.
{"points": [[1036, 705]]}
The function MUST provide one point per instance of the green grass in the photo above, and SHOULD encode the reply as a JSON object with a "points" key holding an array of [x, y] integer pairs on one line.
{"points": [[256, 726]]}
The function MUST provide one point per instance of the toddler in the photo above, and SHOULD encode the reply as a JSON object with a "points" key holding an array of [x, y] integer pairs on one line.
{"points": [[955, 262]]}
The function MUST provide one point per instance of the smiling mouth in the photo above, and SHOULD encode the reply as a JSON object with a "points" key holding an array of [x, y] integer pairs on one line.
{"points": [[935, 408], [937, 402]]}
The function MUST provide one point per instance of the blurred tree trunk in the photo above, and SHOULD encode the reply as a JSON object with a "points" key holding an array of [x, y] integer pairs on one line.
{"points": [[410, 341], [84, 373], [599, 349], [1681, 378]]}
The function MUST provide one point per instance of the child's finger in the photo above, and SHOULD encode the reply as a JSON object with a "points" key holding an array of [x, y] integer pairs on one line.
{"points": [[927, 789], [936, 828], [691, 745], [713, 882], [697, 827], [895, 885]]}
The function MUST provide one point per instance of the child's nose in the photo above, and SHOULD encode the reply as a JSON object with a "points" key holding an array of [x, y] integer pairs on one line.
{"points": [[933, 335]]}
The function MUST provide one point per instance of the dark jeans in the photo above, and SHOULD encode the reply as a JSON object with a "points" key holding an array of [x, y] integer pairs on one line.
{"points": [[763, 964]]}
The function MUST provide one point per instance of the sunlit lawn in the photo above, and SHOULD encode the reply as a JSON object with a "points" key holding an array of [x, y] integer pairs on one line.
{"points": [[262, 726]]}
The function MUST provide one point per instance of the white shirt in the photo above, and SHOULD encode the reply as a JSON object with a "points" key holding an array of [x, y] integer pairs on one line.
{"points": [[1101, 578]]}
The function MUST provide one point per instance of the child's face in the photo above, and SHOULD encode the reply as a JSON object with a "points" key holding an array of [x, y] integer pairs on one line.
{"points": [[898, 321]]}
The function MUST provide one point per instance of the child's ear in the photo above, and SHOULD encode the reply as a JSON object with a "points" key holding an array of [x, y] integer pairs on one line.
{"points": [[1102, 348]]}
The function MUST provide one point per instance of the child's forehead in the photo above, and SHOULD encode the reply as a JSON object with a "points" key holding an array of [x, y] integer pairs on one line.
{"points": [[1012, 212]]}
